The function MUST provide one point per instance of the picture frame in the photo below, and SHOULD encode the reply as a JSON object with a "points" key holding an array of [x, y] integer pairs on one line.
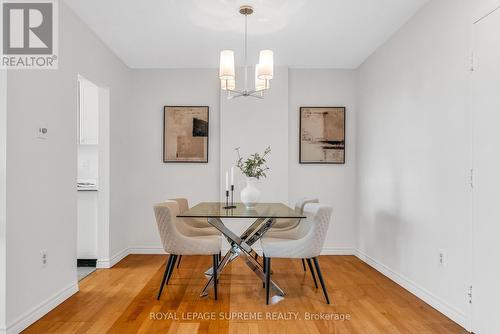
{"points": [[186, 134], [322, 135]]}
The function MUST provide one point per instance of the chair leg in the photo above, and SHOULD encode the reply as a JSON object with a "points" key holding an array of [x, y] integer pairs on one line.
{"points": [[304, 264], [167, 268], [179, 261], [312, 272], [320, 275], [215, 265], [171, 270], [264, 265], [267, 265]]}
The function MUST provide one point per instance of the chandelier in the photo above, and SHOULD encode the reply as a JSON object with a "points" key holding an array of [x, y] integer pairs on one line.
{"points": [[263, 70]]}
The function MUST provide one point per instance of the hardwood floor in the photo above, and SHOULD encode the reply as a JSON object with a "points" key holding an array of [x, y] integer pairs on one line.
{"points": [[123, 300]]}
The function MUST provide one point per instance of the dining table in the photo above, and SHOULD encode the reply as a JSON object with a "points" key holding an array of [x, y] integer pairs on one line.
{"points": [[259, 219]]}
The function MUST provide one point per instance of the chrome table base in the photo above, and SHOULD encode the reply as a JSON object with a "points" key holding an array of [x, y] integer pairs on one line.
{"points": [[242, 246]]}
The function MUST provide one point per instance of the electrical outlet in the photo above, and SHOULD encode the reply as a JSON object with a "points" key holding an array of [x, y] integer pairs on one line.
{"points": [[441, 258], [44, 259]]}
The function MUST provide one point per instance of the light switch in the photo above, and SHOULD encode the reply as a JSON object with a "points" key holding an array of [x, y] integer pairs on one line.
{"points": [[42, 132]]}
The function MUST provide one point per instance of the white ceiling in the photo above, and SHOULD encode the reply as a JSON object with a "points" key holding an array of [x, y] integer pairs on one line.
{"points": [[190, 33]]}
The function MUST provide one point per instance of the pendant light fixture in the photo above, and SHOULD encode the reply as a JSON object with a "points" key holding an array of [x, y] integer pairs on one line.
{"points": [[264, 70]]}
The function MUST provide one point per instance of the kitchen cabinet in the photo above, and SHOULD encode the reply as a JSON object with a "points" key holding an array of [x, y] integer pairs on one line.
{"points": [[89, 112], [87, 224]]}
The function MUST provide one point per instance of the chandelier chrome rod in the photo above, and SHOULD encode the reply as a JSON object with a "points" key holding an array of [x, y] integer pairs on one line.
{"points": [[246, 52]]}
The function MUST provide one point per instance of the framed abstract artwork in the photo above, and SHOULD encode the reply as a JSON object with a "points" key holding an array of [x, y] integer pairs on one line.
{"points": [[322, 135], [185, 134]]}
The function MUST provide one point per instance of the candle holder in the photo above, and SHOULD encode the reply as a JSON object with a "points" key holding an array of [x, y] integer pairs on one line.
{"points": [[230, 204]]}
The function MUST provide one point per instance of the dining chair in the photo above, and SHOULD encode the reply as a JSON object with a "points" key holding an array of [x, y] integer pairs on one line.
{"points": [[306, 243], [202, 224], [286, 228], [179, 239], [282, 224]]}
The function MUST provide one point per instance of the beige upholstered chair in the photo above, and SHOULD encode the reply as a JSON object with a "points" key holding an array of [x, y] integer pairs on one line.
{"points": [[287, 228], [195, 226], [287, 224], [179, 239], [194, 222], [306, 243]]}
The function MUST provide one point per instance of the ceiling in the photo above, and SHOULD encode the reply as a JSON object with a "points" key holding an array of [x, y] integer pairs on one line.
{"points": [[190, 33]]}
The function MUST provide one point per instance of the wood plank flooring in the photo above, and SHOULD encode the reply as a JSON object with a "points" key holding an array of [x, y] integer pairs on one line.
{"points": [[123, 300]]}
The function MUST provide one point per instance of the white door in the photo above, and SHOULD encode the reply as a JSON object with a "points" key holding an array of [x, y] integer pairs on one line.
{"points": [[486, 162]]}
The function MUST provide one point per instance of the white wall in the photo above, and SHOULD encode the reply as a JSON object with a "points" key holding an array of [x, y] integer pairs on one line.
{"points": [[413, 156], [334, 185], [253, 124], [150, 180], [41, 174]]}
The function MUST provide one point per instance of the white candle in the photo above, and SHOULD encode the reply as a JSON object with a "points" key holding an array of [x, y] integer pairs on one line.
{"points": [[232, 175], [227, 181]]}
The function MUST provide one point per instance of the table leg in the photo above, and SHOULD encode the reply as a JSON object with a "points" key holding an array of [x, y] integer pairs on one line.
{"points": [[242, 246]]}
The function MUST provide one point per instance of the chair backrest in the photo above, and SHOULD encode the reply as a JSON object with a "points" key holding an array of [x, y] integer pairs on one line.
{"points": [[301, 202], [312, 230], [166, 220], [183, 204]]}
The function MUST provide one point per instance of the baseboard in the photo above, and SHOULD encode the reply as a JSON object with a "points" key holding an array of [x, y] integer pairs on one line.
{"points": [[41, 309], [325, 251], [146, 250], [103, 264], [118, 257], [338, 251], [416, 290], [108, 263], [159, 250]]}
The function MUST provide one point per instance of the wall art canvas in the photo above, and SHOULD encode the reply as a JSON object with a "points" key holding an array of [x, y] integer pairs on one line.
{"points": [[185, 134], [322, 135]]}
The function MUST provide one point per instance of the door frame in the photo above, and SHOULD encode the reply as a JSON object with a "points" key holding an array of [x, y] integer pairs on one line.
{"points": [[481, 12]]}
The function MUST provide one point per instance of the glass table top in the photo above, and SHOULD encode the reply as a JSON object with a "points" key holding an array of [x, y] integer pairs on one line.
{"points": [[261, 210]]}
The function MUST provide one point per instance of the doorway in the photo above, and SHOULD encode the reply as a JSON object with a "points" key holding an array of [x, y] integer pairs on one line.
{"points": [[93, 177]]}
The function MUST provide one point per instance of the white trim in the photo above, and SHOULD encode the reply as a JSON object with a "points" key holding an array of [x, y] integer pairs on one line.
{"points": [[108, 263], [102, 264], [146, 250], [28, 318], [338, 251], [103, 196], [485, 10], [118, 257], [420, 292], [159, 250]]}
